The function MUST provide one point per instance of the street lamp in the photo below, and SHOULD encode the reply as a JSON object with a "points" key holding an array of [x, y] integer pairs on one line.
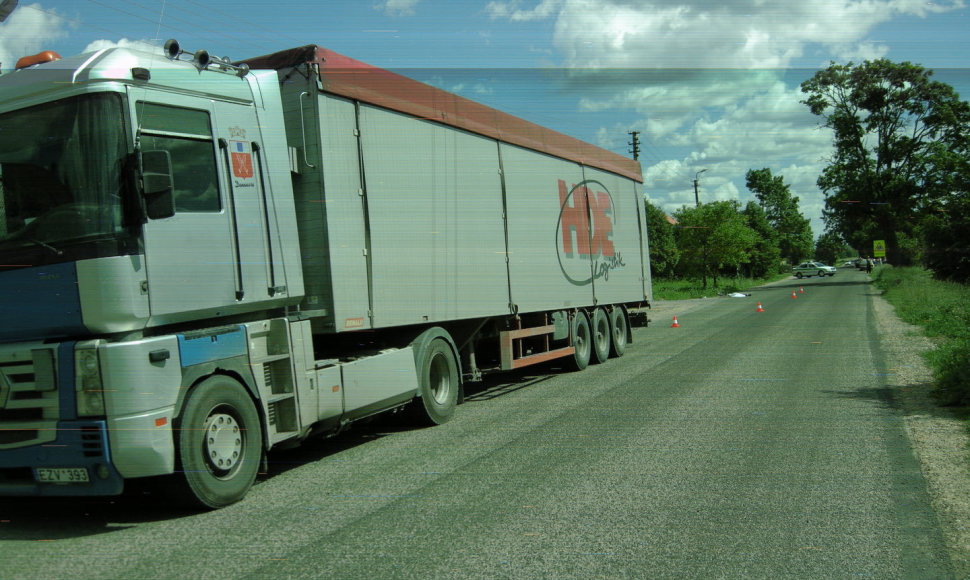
{"points": [[697, 199]]}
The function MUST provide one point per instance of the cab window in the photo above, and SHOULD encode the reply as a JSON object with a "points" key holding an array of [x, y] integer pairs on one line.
{"points": [[187, 136]]}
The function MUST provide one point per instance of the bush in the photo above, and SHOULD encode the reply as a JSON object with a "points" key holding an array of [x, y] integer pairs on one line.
{"points": [[951, 368], [942, 309]]}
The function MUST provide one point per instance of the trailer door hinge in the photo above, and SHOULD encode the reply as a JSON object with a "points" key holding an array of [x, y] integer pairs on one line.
{"points": [[364, 251], [144, 286]]}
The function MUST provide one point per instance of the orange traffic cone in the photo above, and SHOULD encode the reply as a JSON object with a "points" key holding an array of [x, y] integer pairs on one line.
{"points": [[760, 308], [675, 324], [793, 295], [801, 290]]}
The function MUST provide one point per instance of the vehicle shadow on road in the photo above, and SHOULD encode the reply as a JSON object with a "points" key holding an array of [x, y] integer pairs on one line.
{"points": [[891, 397], [501, 384], [57, 518]]}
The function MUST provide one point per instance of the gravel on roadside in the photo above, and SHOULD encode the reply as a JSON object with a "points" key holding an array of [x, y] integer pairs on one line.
{"points": [[939, 439]]}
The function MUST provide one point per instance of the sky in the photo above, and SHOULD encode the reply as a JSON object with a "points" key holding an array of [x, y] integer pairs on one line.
{"points": [[712, 87]]}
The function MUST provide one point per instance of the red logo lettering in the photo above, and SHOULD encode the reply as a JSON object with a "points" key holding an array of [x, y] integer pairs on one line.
{"points": [[577, 205], [602, 224], [574, 219]]}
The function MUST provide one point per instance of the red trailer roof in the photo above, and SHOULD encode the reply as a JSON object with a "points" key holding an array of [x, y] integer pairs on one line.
{"points": [[351, 78]]}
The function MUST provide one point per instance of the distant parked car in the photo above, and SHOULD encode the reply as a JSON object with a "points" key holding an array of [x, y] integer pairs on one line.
{"points": [[813, 269]]}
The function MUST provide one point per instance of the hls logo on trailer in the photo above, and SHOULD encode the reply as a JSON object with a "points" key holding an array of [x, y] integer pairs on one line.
{"points": [[584, 234]]}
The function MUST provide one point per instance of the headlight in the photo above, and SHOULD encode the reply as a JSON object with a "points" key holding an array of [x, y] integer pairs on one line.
{"points": [[87, 378]]}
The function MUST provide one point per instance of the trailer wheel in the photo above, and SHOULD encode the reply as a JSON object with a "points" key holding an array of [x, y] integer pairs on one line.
{"points": [[618, 331], [438, 383], [580, 338], [219, 443], [601, 336]]}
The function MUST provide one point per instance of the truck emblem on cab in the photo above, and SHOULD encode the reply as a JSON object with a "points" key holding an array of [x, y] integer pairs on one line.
{"points": [[584, 234]]}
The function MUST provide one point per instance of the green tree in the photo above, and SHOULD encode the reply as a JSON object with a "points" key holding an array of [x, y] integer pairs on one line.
{"points": [[765, 257], [712, 238], [781, 208], [946, 236], [664, 254], [829, 247], [897, 136]]}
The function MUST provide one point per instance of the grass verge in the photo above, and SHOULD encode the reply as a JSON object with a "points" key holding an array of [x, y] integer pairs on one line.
{"points": [[942, 309], [684, 289]]}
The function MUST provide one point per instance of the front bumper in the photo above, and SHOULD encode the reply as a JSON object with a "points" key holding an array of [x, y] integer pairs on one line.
{"points": [[77, 444]]}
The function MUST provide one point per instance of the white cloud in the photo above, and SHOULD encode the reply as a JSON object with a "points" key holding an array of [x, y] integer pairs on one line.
{"points": [[704, 34], [727, 124], [143, 45], [397, 7], [28, 30], [511, 10]]}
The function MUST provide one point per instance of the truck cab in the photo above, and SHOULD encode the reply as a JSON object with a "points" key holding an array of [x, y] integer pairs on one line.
{"points": [[139, 201]]}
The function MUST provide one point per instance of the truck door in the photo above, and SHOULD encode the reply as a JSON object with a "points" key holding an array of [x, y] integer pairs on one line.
{"points": [[190, 256], [216, 254]]}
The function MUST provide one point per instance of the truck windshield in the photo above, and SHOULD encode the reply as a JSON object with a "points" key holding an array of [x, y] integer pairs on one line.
{"points": [[61, 179]]}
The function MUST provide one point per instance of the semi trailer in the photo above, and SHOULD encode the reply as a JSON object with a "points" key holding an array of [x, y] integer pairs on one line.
{"points": [[202, 260]]}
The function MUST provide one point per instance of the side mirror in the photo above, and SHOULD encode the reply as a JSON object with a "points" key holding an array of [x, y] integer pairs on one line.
{"points": [[157, 184]]}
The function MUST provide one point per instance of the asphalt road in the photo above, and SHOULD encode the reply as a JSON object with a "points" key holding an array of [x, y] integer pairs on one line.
{"points": [[742, 444]]}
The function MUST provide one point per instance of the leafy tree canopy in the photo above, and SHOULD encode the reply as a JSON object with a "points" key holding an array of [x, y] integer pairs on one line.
{"points": [[829, 247], [898, 139], [794, 232], [664, 254], [712, 237]]}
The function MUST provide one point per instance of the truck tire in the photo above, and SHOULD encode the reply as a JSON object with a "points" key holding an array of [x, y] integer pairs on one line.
{"points": [[601, 336], [580, 338], [219, 444], [438, 383], [618, 331]]}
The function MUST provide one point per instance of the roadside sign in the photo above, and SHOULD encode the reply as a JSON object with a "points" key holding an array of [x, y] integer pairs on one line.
{"points": [[879, 248]]}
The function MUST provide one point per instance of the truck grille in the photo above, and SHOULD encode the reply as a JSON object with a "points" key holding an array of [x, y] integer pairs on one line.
{"points": [[29, 406]]}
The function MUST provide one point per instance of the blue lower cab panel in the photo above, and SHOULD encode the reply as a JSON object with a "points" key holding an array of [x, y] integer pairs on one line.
{"points": [[80, 450]]}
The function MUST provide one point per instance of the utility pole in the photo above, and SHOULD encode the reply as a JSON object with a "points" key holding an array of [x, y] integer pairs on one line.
{"points": [[697, 199], [635, 145]]}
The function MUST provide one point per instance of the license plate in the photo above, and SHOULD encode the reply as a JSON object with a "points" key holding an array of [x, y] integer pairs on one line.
{"points": [[61, 474]]}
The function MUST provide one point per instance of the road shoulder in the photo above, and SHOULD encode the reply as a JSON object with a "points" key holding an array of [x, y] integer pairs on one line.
{"points": [[939, 439]]}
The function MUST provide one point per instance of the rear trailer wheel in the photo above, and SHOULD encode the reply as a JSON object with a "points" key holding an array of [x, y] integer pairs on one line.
{"points": [[219, 443], [601, 336], [437, 382], [618, 331], [581, 341]]}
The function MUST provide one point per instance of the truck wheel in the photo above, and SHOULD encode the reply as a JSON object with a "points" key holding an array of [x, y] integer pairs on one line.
{"points": [[618, 331], [601, 336], [438, 383], [219, 443], [580, 338]]}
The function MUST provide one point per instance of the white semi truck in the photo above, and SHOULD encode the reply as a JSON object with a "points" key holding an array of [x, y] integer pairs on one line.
{"points": [[203, 260]]}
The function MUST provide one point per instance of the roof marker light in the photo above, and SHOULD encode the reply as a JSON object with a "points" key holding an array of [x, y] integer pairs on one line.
{"points": [[39, 58]]}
